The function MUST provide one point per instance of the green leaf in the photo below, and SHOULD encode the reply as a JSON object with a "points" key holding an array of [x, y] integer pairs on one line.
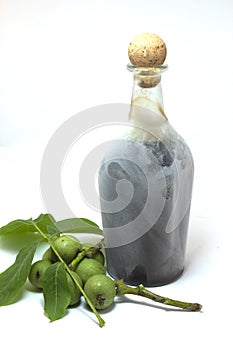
{"points": [[92, 223], [13, 279], [18, 233], [56, 292], [17, 226], [29, 226], [45, 222], [78, 225]]}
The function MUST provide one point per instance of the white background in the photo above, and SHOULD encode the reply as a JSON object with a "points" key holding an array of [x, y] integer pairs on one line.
{"points": [[60, 57]]}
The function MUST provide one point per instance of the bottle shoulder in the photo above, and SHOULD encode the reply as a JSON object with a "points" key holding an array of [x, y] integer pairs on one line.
{"points": [[166, 146]]}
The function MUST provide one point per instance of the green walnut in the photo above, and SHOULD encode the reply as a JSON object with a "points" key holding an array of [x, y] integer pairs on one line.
{"points": [[50, 255], [89, 267], [67, 247], [101, 291], [37, 272], [74, 289]]}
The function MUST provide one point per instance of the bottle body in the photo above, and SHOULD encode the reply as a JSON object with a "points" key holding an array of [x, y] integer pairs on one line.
{"points": [[145, 186]]}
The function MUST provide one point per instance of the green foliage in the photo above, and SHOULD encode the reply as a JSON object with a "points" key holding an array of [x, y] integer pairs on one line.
{"points": [[44, 222], [78, 225], [56, 291], [57, 295], [13, 279]]}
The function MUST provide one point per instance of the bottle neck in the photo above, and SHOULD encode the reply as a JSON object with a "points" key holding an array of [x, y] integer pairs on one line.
{"points": [[147, 110], [150, 98]]}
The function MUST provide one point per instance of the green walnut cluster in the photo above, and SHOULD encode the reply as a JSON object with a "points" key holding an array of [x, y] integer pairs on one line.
{"points": [[90, 271]]}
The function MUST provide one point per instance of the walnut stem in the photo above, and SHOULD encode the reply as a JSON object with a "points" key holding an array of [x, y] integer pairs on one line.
{"points": [[140, 290]]}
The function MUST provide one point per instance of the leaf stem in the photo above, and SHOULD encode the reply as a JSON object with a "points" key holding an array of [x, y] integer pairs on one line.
{"points": [[90, 253], [99, 318], [78, 258], [140, 290]]}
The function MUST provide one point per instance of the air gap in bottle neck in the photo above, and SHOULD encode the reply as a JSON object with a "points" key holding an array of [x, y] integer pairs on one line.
{"points": [[147, 109]]}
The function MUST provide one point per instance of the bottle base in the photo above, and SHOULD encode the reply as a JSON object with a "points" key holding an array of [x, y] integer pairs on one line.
{"points": [[156, 283]]}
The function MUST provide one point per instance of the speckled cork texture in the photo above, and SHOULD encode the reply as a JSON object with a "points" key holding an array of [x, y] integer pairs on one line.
{"points": [[147, 50]]}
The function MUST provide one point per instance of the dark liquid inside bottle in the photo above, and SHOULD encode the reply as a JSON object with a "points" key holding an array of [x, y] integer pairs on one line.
{"points": [[155, 255]]}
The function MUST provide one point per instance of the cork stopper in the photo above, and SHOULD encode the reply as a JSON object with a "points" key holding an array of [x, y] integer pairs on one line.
{"points": [[146, 53], [147, 50]]}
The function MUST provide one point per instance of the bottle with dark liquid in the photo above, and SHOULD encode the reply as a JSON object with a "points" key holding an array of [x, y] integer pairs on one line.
{"points": [[145, 187]]}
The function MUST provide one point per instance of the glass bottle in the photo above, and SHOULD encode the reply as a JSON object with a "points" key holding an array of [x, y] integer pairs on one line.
{"points": [[145, 187]]}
